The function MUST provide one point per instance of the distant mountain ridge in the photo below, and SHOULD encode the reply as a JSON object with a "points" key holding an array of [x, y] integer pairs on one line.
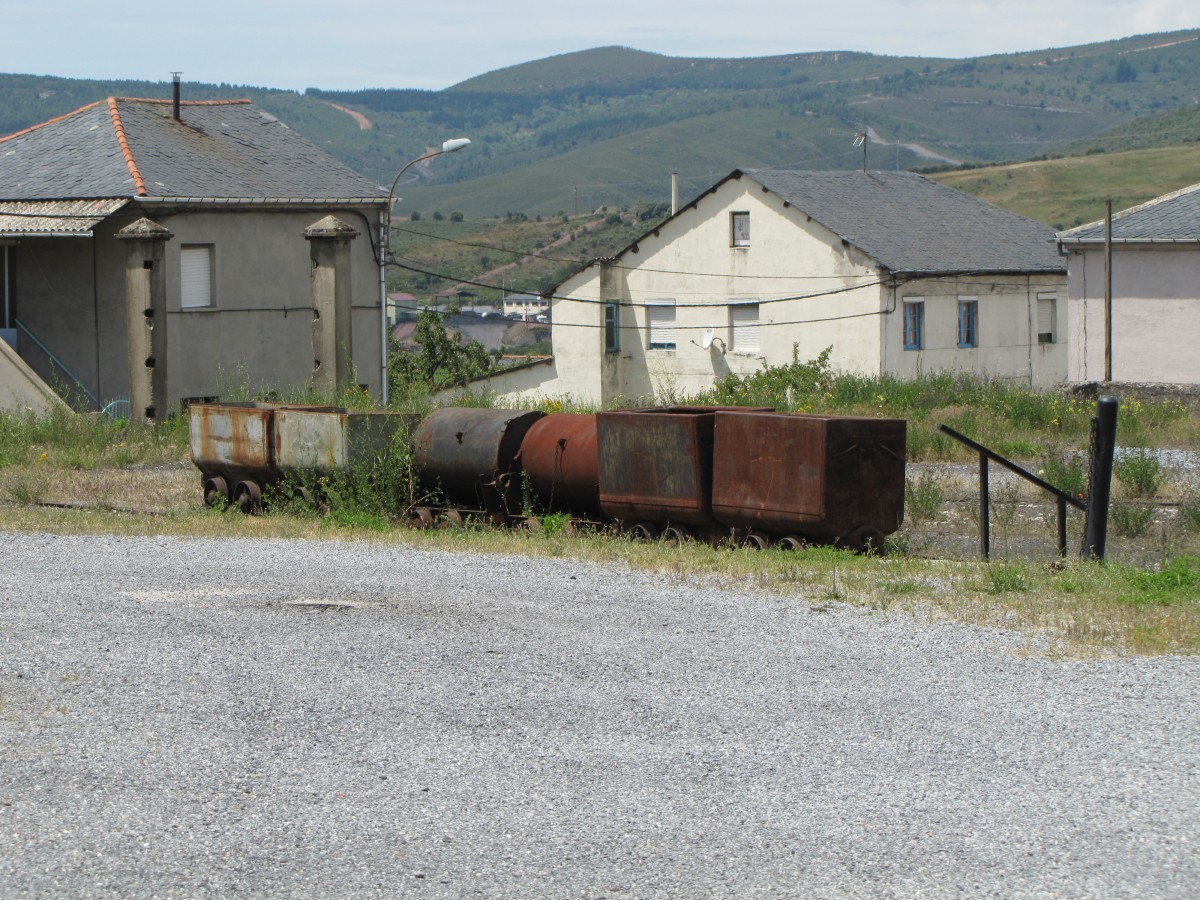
{"points": [[606, 126]]}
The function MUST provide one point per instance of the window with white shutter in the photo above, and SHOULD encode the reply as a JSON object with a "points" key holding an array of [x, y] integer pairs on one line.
{"points": [[662, 324], [1045, 323], [743, 322], [196, 271]]}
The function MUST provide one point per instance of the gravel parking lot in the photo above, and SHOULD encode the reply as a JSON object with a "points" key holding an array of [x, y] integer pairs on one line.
{"points": [[190, 718]]}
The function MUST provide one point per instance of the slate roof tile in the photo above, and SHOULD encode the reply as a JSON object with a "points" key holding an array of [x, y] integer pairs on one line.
{"points": [[219, 149], [1173, 217], [912, 224]]}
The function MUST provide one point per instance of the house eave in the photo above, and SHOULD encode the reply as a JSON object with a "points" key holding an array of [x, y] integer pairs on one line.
{"points": [[331, 202]]}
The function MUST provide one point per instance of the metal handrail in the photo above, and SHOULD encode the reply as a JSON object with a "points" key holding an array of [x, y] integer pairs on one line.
{"points": [[54, 359], [985, 535]]}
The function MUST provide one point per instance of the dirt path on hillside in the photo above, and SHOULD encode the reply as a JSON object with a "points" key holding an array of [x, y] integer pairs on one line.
{"points": [[363, 122]]}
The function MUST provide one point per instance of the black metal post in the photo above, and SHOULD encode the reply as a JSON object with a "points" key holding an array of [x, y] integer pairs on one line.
{"points": [[1062, 527], [1096, 532], [985, 525]]}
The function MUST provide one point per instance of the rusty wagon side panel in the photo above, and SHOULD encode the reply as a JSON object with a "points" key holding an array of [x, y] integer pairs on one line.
{"points": [[823, 477]]}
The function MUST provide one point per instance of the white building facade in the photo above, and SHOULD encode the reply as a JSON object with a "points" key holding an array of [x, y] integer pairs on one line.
{"points": [[1155, 293], [894, 272]]}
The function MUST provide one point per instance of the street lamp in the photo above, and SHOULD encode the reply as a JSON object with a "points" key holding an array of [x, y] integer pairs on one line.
{"points": [[385, 249]]}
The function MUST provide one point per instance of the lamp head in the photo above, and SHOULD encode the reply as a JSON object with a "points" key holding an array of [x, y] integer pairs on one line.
{"points": [[455, 144]]}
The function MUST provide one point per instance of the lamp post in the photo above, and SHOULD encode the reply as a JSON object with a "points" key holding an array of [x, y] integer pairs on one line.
{"points": [[385, 249]]}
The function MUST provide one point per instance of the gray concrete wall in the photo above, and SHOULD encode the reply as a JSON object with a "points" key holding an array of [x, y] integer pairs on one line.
{"points": [[257, 335]]}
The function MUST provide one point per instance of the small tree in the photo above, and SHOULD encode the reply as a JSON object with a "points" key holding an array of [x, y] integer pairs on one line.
{"points": [[443, 359]]}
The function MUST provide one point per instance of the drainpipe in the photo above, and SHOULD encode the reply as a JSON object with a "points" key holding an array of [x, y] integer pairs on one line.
{"points": [[674, 192]]}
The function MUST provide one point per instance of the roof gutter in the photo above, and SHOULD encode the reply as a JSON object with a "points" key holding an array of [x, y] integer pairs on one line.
{"points": [[263, 201]]}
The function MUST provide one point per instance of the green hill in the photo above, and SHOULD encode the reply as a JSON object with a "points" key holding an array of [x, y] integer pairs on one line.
{"points": [[606, 127]]}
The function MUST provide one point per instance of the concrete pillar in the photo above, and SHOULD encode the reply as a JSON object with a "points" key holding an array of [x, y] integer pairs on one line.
{"points": [[329, 246], [146, 318]]}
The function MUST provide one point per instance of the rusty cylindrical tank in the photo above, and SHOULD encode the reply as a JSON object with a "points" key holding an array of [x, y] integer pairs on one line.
{"points": [[559, 456], [830, 478], [470, 456]]}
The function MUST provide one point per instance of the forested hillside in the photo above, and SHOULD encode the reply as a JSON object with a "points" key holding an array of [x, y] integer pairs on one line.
{"points": [[606, 127]]}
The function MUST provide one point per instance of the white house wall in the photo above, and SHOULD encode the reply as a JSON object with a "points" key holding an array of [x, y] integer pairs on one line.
{"points": [[1008, 346], [1156, 314], [813, 290]]}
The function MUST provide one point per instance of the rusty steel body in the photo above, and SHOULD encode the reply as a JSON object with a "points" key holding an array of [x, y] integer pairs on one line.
{"points": [[829, 478], [561, 460], [656, 464], [234, 440], [471, 455], [325, 441]]}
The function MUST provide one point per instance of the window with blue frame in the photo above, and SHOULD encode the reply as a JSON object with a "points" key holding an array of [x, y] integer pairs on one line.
{"points": [[968, 322], [914, 324]]}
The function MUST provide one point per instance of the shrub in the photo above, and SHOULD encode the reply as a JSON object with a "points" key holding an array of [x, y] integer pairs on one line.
{"points": [[1140, 473]]}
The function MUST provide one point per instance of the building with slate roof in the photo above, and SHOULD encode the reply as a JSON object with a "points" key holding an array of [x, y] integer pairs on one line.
{"points": [[1155, 293], [232, 191], [896, 273]]}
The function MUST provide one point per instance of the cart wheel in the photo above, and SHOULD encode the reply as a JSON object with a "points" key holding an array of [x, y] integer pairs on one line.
{"points": [[865, 539], [674, 534], [247, 496], [216, 491], [421, 517], [642, 531], [531, 524], [792, 542], [451, 518], [756, 540]]}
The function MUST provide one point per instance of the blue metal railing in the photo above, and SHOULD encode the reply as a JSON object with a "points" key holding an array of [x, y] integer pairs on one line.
{"points": [[54, 359]]}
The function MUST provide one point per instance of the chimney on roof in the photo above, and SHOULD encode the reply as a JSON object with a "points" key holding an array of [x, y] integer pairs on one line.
{"points": [[175, 95]]}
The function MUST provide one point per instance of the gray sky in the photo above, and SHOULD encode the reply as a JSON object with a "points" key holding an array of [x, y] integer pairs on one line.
{"points": [[366, 43]]}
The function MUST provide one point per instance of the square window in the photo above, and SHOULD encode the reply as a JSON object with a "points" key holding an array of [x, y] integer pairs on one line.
{"points": [[739, 229], [968, 322], [661, 314], [196, 276], [914, 324]]}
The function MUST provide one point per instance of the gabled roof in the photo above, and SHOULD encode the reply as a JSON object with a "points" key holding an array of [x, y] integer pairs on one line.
{"points": [[1172, 218], [906, 222], [913, 225], [220, 150]]}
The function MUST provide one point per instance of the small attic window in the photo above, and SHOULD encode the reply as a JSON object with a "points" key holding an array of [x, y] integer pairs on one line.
{"points": [[739, 229]]}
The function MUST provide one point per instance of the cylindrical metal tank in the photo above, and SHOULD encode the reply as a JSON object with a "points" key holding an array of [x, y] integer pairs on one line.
{"points": [[560, 458], [823, 477], [470, 455]]}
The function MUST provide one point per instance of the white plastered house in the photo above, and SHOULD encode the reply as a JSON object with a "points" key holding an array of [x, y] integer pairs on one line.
{"points": [[898, 274], [1155, 293]]}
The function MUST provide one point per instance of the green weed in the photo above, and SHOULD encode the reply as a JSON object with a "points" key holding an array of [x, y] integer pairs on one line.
{"points": [[923, 497], [1129, 518], [1140, 473]]}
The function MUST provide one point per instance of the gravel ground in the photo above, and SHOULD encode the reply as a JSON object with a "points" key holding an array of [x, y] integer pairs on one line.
{"points": [[195, 718]]}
